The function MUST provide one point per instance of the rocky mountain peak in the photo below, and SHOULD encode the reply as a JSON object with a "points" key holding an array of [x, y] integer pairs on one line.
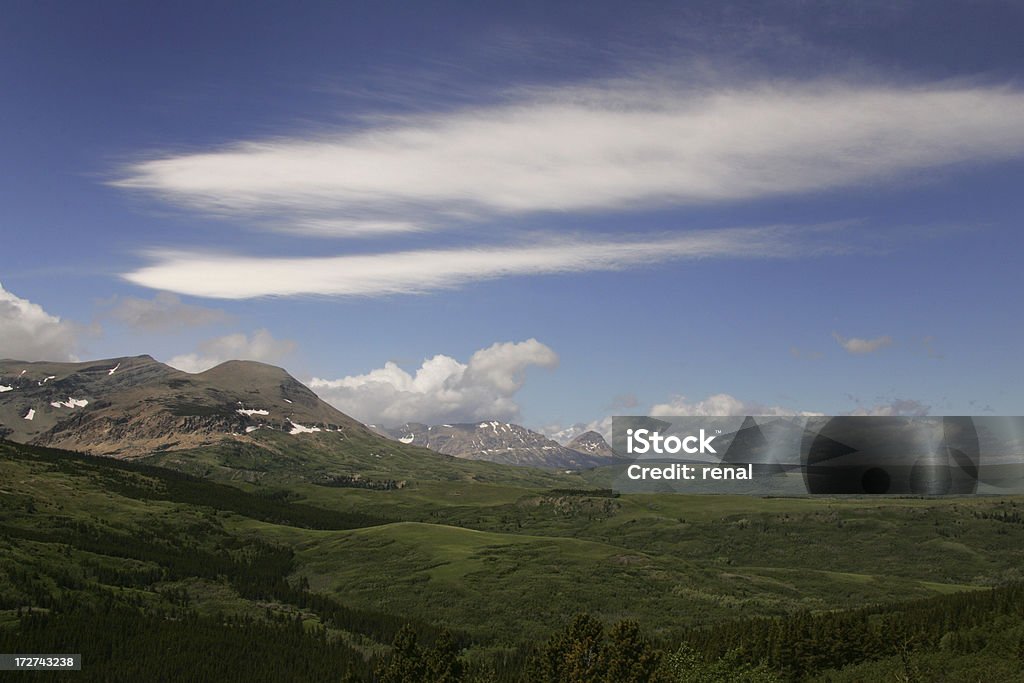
{"points": [[591, 443], [132, 406]]}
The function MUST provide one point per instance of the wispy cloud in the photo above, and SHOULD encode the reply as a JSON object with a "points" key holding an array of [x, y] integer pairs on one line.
{"points": [[164, 312], [413, 272], [336, 227], [804, 354], [858, 346], [619, 145]]}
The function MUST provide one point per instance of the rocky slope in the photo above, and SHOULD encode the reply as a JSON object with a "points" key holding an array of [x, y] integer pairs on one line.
{"points": [[128, 407], [591, 443], [500, 442]]}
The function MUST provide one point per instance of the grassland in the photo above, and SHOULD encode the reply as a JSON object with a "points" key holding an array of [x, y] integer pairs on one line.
{"points": [[502, 556]]}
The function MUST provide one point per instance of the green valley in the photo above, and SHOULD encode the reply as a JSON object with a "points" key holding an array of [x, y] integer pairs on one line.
{"points": [[500, 557]]}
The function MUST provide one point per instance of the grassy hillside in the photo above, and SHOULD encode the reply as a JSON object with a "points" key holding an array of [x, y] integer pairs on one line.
{"points": [[501, 562], [276, 458]]}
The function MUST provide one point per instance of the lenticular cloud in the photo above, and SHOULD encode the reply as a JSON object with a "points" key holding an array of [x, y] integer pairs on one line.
{"points": [[614, 146]]}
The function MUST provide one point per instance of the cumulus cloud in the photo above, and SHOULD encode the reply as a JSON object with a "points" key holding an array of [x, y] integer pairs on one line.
{"points": [[27, 332], [260, 346], [613, 145], [858, 346], [716, 405], [720, 405], [413, 272], [899, 406], [164, 312], [442, 389]]}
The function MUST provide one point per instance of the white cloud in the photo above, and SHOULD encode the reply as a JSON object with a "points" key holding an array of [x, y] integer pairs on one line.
{"points": [[719, 405], [858, 346], [411, 272], [900, 406], [27, 332], [163, 312], [261, 346], [615, 145], [716, 405], [442, 389], [337, 227]]}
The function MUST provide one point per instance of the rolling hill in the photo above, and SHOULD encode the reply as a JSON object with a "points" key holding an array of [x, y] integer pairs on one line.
{"points": [[99, 546], [238, 503]]}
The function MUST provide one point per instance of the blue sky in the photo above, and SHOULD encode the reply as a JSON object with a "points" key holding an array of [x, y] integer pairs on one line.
{"points": [[547, 213]]}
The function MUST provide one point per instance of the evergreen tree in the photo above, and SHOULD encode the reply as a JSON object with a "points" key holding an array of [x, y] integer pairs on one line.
{"points": [[629, 657], [442, 661], [407, 662], [575, 654]]}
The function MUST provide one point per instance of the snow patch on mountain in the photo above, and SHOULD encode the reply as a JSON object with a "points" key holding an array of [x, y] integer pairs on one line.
{"points": [[70, 403], [302, 429]]}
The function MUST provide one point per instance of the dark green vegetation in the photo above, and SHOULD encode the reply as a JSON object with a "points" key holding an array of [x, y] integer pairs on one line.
{"points": [[472, 571], [278, 458]]}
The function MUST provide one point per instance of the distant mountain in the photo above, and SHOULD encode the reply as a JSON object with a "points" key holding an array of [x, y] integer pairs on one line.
{"points": [[239, 421], [591, 443], [564, 436], [500, 442], [128, 407]]}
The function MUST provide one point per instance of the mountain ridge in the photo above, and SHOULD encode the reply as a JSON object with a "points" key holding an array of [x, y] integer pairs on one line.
{"points": [[134, 405], [497, 441]]}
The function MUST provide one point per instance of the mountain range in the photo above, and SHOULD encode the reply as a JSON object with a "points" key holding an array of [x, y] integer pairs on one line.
{"points": [[506, 443], [136, 406]]}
